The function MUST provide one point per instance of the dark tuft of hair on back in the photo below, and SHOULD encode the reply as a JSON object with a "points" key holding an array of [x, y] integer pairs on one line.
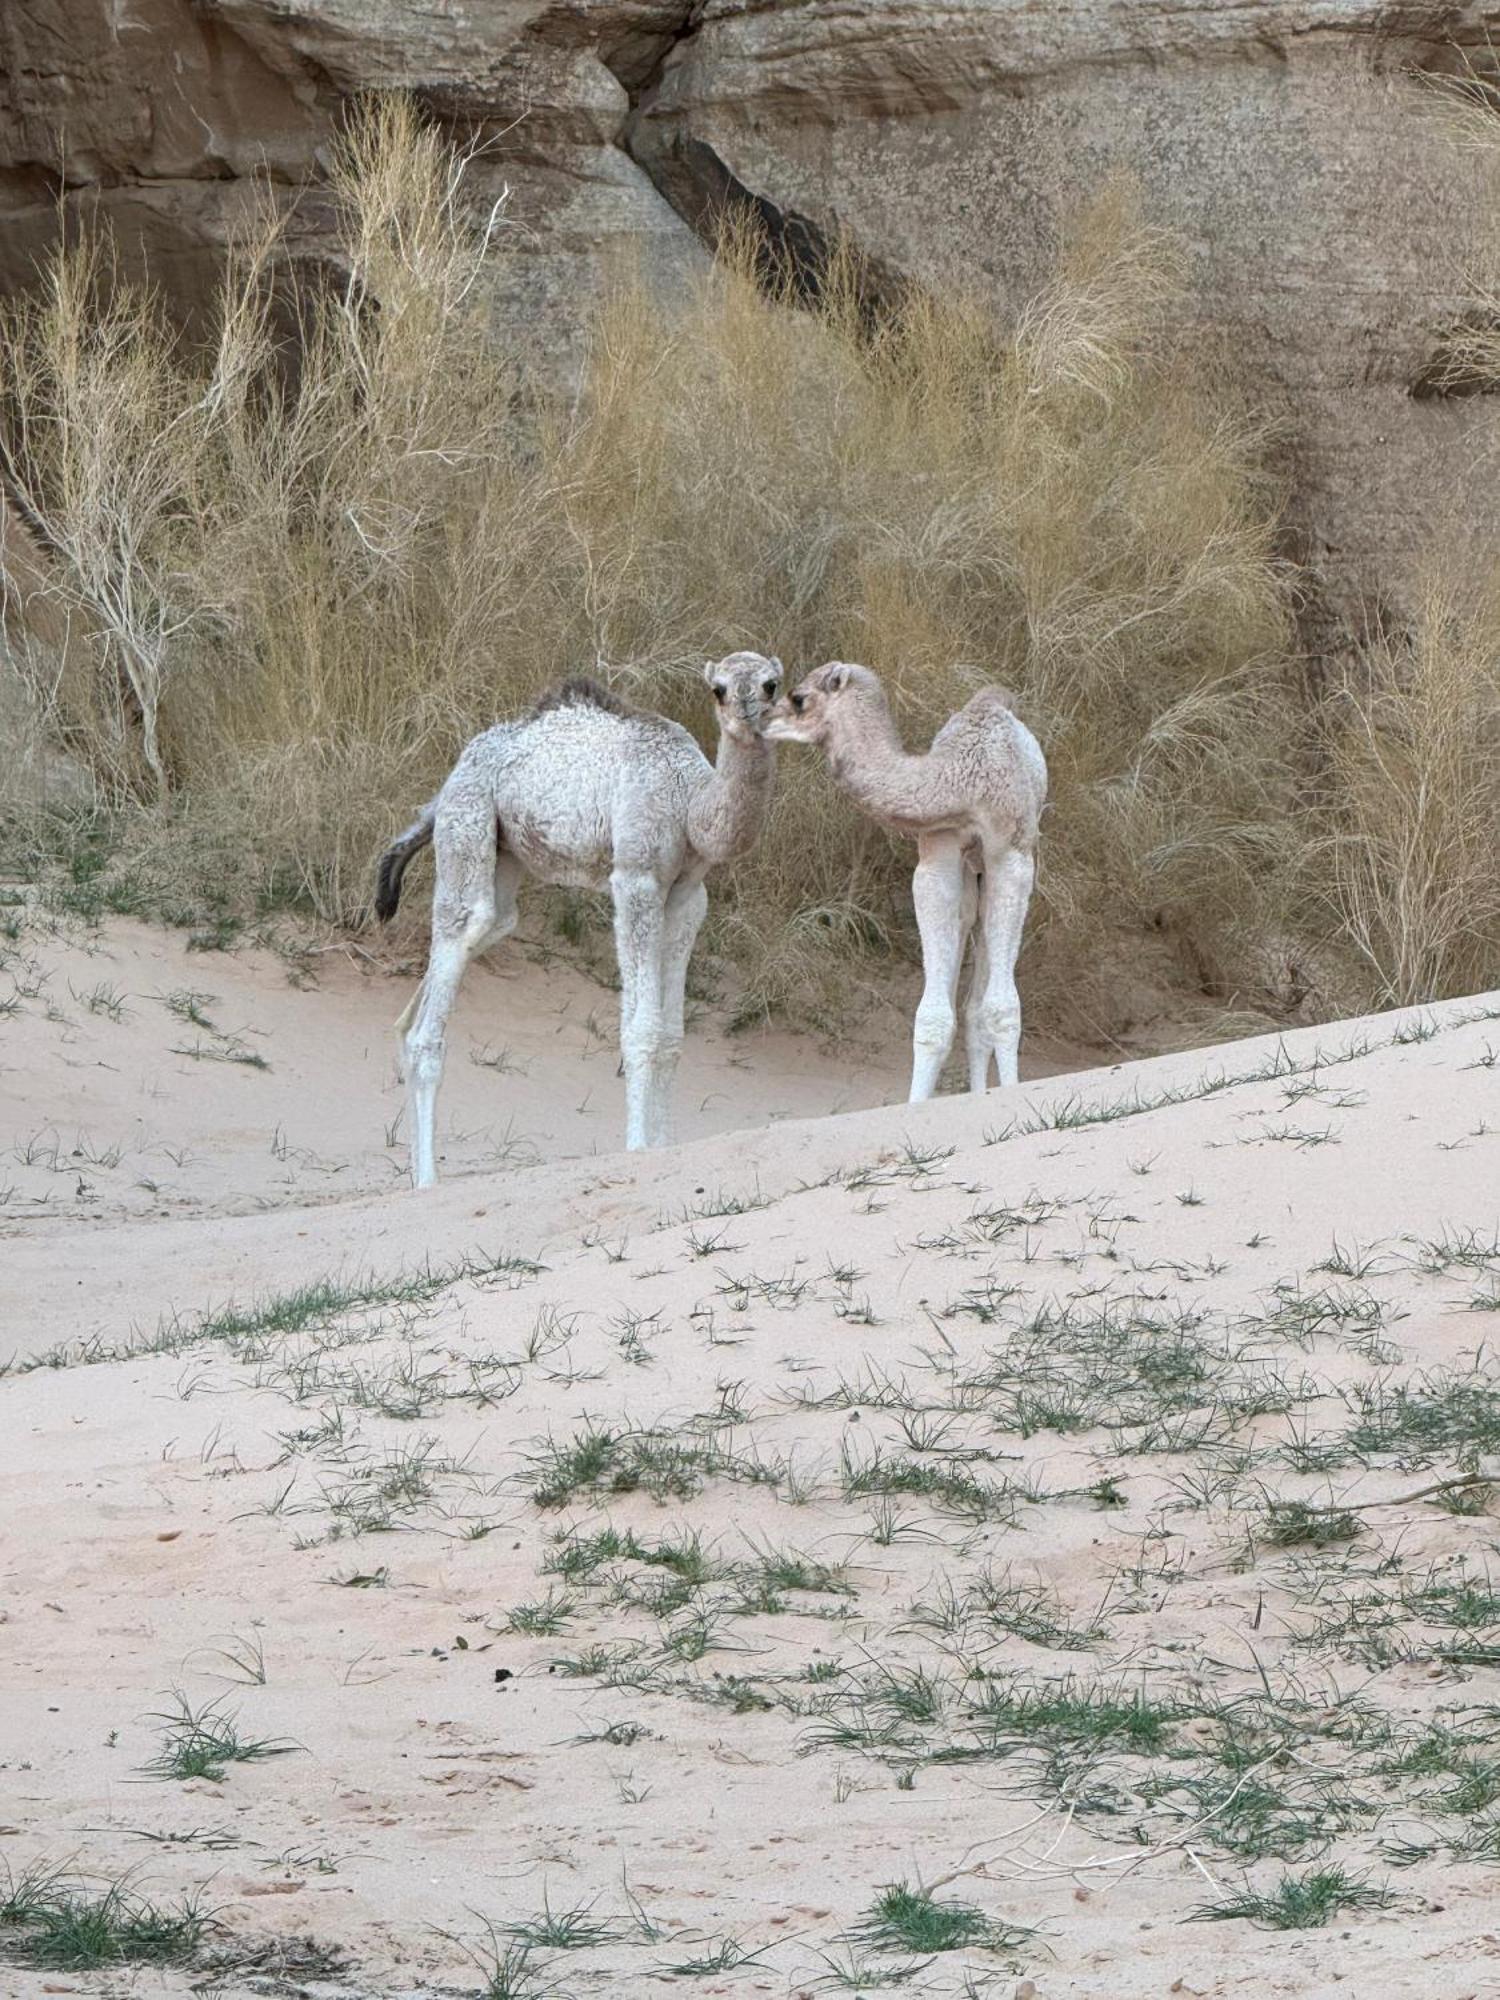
{"points": [[578, 691]]}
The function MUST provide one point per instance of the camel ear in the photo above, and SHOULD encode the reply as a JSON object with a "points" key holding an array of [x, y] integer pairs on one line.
{"points": [[834, 678], [709, 668]]}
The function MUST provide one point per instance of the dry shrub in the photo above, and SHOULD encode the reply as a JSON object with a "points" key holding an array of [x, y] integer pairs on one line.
{"points": [[317, 574], [1400, 872], [1411, 808]]}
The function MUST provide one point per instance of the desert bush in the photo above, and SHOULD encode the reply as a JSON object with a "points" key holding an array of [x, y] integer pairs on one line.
{"points": [[308, 567], [1404, 824], [1409, 807]]}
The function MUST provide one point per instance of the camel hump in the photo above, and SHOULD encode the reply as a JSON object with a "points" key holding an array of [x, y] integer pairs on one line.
{"points": [[579, 691], [994, 694]]}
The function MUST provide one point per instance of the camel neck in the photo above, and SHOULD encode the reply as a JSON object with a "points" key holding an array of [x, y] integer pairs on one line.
{"points": [[873, 767], [729, 810]]}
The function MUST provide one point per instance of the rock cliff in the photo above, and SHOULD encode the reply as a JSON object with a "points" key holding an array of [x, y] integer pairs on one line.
{"points": [[1285, 141]]}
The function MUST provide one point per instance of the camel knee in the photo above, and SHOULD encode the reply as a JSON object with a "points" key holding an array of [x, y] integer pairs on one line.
{"points": [[479, 928], [934, 1027], [467, 924], [998, 1021]]}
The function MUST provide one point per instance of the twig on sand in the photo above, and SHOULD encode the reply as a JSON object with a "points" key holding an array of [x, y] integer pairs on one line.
{"points": [[347, 947], [1405, 1499], [1037, 1867]]}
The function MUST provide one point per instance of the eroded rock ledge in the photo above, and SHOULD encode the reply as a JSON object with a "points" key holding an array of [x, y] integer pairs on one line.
{"points": [[1283, 139]]}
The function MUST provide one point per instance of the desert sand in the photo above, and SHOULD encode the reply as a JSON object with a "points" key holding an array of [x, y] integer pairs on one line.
{"points": [[619, 1574]]}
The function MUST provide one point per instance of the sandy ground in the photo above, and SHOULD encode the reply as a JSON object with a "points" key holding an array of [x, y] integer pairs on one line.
{"points": [[141, 1077], [637, 1565]]}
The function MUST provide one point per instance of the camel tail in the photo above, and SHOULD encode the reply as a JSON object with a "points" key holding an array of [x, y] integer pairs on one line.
{"points": [[396, 859]]}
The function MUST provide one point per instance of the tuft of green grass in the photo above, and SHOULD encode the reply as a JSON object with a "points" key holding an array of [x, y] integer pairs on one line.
{"points": [[1444, 1411], [727, 1955], [507, 1967], [1256, 1817], [1472, 1499], [948, 1487], [788, 1569], [1294, 1523], [244, 1658], [596, 1662], [25, 1895], [911, 1919], [1297, 1902], [549, 1615], [858, 1975], [57, 1927], [204, 1742], [329, 1298], [222, 1052], [666, 1464], [619, 1735], [1006, 1604], [573, 1929], [304, 1309], [192, 1007], [1076, 1712], [103, 999]]}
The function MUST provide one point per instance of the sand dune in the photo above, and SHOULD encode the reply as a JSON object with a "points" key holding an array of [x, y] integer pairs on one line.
{"points": [[945, 1544], [144, 1078]]}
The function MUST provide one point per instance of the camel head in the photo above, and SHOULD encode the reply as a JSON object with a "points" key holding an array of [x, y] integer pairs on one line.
{"points": [[829, 697], [745, 687]]}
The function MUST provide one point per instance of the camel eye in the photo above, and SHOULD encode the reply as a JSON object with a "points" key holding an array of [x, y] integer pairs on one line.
{"points": [[768, 688], [718, 690], [799, 701]]}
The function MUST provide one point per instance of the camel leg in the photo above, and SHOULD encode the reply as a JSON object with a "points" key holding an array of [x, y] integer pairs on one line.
{"points": [[463, 921], [978, 1050], [639, 924], [937, 890], [509, 875], [1008, 877], [687, 906]]}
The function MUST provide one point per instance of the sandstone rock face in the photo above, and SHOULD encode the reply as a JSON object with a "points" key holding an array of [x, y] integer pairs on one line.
{"points": [[1287, 144], [159, 112], [1284, 140]]}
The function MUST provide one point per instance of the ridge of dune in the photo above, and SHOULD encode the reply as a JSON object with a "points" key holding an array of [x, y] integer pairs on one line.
{"points": [[186, 1264]]}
